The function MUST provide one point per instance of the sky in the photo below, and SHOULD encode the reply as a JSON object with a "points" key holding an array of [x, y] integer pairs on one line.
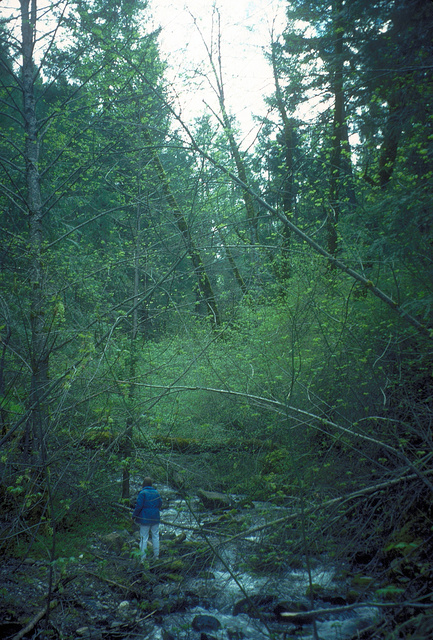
{"points": [[245, 30]]}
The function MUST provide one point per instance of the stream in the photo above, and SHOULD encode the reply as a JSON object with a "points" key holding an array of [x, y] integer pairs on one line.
{"points": [[231, 603]]}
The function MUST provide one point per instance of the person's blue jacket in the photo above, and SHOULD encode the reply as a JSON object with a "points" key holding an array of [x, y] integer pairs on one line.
{"points": [[148, 505]]}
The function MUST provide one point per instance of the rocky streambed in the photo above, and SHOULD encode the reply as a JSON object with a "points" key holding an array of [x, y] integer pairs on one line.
{"points": [[212, 581]]}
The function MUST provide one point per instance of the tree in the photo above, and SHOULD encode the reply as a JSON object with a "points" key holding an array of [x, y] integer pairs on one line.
{"points": [[217, 82], [40, 348], [59, 151]]}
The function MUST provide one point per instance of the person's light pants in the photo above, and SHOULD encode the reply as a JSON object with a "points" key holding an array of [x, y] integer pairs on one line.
{"points": [[144, 537]]}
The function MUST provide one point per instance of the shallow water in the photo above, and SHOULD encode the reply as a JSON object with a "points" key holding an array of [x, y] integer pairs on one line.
{"points": [[228, 582], [178, 625]]}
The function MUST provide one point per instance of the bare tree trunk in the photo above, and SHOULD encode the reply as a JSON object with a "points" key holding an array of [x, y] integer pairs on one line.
{"points": [[35, 428], [388, 152], [337, 133], [4, 341], [240, 167], [288, 185], [204, 284], [129, 431], [237, 274], [228, 130]]}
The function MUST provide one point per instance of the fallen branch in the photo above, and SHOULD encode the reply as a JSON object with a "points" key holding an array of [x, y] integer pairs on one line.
{"points": [[329, 503], [174, 525], [333, 502], [51, 604], [38, 617], [108, 581], [284, 409], [317, 613]]}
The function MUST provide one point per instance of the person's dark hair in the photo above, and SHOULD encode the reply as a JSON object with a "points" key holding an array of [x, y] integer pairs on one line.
{"points": [[147, 482]]}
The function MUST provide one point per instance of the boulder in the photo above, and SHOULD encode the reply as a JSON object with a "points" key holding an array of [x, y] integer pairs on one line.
{"points": [[214, 500], [206, 623], [114, 541], [256, 606]]}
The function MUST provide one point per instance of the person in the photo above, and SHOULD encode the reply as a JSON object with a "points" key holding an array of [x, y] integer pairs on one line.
{"points": [[146, 514]]}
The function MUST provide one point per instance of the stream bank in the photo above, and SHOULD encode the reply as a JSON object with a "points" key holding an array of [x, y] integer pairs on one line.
{"points": [[203, 587]]}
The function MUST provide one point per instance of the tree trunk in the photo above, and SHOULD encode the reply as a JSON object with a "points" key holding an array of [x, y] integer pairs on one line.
{"points": [[241, 169], [284, 269], [228, 130], [39, 358], [204, 284], [4, 422], [129, 428], [337, 132], [388, 152], [237, 274]]}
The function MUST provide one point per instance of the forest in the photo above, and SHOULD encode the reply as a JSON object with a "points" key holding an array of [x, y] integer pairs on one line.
{"points": [[252, 325]]}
